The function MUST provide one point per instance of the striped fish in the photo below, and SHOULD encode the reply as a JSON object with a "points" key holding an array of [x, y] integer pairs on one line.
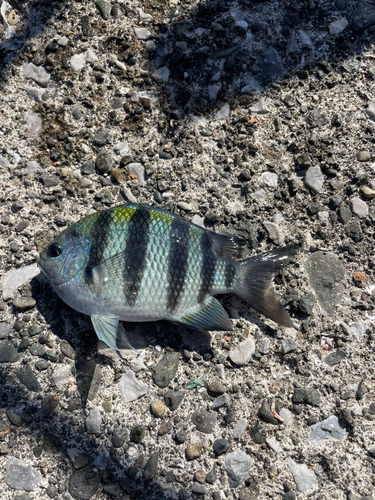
{"points": [[141, 263]]}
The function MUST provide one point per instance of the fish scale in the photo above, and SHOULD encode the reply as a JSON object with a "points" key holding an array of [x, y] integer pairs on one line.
{"points": [[141, 263]]}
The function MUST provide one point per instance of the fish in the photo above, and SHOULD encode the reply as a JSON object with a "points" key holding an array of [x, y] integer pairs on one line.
{"points": [[138, 263]]}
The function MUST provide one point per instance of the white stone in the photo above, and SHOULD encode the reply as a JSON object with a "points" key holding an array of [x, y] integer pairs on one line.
{"points": [[213, 91], [139, 170], [32, 167], [269, 179], [200, 120], [17, 277], [35, 93], [120, 65], [198, 220], [359, 329], [258, 195], [251, 87], [85, 182], [274, 445], [161, 75], [19, 475], [142, 33], [277, 218], [151, 46], [338, 26], [302, 475], [129, 195], [323, 215], [305, 39], [85, 148], [359, 207], [148, 95], [241, 353], [240, 428], [63, 41], [220, 371], [274, 232], [3, 161], [237, 465], [78, 61], [94, 421], [122, 147], [137, 364], [314, 179], [36, 73], [60, 375], [260, 107], [223, 112], [131, 388], [90, 56], [34, 122], [286, 415], [235, 207], [184, 206]]}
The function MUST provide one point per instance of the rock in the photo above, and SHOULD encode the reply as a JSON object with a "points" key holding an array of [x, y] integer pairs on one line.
{"points": [[193, 451], [142, 33], [314, 179], [49, 404], [330, 428], [223, 400], [204, 421], [363, 16], [371, 107], [274, 445], [260, 107], [252, 87], [317, 118], [35, 93], [258, 433], [150, 470], [184, 206], [221, 446], [305, 305], [359, 207], [36, 73], [359, 329], [90, 56], [119, 436], [8, 353], [338, 26], [216, 387], [270, 63], [67, 349], [334, 358], [24, 303], [157, 408], [161, 75], [104, 161], [3, 161], [21, 476], [137, 433], [286, 415], [34, 122], [173, 399], [84, 483], [274, 232], [50, 180], [354, 231], [237, 465], [166, 369], [101, 138], [104, 8], [60, 375], [88, 376], [242, 352], [213, 91], [93, 422], [264, 346], [138, 170], [199, 489], [288, 345], [27, 378], [240, 428], [4, 331], [326, 273], [131, 388], [269, 179], [368, 192], [14, 417], [305, 39], [181, 436], [15, 278], [223, 112], [302, 475], [266, 415], [306, 396], [78, 61]]}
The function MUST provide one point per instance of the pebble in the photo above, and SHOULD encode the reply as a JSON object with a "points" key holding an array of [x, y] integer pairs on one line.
{"points": [[193, 451], [137, 433], [242, 352], [219, 402], [264, 346], [204, 421], [3, 161], [239, 429], [142, 33], [21, 476], [24, 303], [359, 329], [129, 195], [63, 41], [364, 156], [78, 61], [181, 436], [286, 415], [237, 465], [302, 475], [137, 364], [338, 26], [216, 387], [15, 278], [329, 428], [368, 192], [274, 445], [161, 75], [36, 73], [252, 87], [130, 388], [8, 353], [34, 122], [90, 56], [314, 179], [305, 305], [151, 46], [274, 232], [223, 112], [104, 161], [317, 118], [4, 331], [220, 371], [334, 358], [270, 63], [371, 110], [173, 399], [213, 91], [27, 377], [138, 170], [184, 206], [14, 417], [84, 483], [94, 421], [359, 207], [199, 489], [266, 415], [260, 107], [35, 93], [306, 396], [119, 436], [288, 345], [354, 231], [150, 470], [166, 369], [104, 8], [67, 349], [60, 375], [157, 408], [49, 404], [221, 446], [269, 179]]}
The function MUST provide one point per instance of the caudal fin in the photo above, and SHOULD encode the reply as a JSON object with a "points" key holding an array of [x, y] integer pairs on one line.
{"points": [[255, 285]]}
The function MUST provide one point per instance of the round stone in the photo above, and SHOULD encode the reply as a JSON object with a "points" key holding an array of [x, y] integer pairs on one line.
{"points": [[157, 408]]}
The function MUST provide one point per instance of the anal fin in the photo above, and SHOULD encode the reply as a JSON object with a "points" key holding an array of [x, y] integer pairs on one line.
{"points": [[109, 330], [210, 315]]}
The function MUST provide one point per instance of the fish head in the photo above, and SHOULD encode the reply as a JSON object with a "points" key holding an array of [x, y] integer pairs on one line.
{"points": [[65, 256]]}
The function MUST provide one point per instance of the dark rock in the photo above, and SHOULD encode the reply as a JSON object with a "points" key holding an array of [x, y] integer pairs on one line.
{"points": [[181, 436], [305, 305], [221, 446], [88, 167], [137, 433], [173, 399], [317, 118], [258, 433], [8, 353], [104, 161], [290, 495], [306, 396], [41, 365], [49, 404], [166, 369], [363, 16], [165, 428], [361, 390], [204, 421], [271, 64], [116, 11], [26, 376], [77, 114], [84, 483], [119, 436], [211, 477], [266, 415], [113, 489], [67, 349], [88, 378], [50, 180], [14, 417], [334, 358], [150, 470], [17, 206], [344, 214], [335, 201], [101, 138], [104, 8], [354, 231]]}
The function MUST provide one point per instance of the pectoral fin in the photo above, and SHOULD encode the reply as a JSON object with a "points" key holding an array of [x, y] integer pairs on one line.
{"points": [[210, 315], [109, 330]]}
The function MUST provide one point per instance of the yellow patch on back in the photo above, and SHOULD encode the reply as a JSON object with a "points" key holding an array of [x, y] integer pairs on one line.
{"points": [[157, 216], [123, 214]]}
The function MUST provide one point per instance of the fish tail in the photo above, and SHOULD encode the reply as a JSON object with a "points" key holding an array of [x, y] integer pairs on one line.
{"points": [[254, 282]]}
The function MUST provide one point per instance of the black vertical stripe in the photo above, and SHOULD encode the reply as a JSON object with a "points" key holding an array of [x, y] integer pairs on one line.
{"points": [[135, 253], [177, 262], [99, 236], [207, 273], [229, 273]]}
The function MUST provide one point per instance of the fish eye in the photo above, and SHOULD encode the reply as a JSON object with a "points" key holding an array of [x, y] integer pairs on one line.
{"points": [[54, 250]]}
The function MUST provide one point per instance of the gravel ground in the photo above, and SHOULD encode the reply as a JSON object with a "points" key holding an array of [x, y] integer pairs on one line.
{"points": [[253, 118]]}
